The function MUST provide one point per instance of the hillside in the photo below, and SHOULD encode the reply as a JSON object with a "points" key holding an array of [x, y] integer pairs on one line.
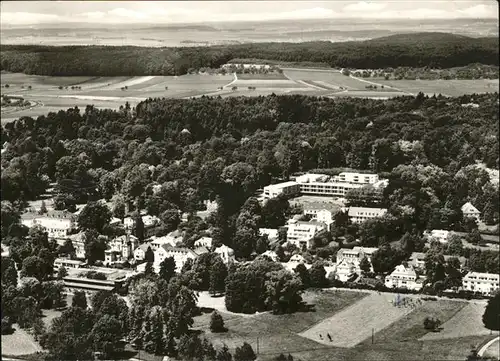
{"points": [[437, 50]]}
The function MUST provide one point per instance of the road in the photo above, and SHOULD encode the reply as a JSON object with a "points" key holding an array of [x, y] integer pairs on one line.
{"points": [[485, 347]]}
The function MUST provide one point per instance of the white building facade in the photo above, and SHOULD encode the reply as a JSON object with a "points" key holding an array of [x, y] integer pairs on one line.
{"points": [[403, 277], [301, 233], [57, 224], [286, 189], [469, 211], [362, 214], [485, 283]]}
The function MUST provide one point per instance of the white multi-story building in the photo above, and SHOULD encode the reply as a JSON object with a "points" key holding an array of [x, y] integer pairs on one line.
{"points": [[287, 188], [469, 211], [486, 283], [149, 221], [323, 185], [180, 255], [355, 255], [300, 233], [58, 224], [362, 214], [67, 263], [403, 277], [438, 235]]}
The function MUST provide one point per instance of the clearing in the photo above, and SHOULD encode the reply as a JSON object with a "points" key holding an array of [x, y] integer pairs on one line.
{"points": [[268, 76]]}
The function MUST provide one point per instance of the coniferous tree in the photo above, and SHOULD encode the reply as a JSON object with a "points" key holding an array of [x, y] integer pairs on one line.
{"points": [[491, 316]]}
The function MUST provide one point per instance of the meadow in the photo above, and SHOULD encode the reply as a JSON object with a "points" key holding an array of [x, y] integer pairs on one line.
{"points": [[349, 317], [51, 94]]}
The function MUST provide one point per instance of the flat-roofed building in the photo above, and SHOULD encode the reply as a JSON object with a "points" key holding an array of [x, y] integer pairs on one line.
{"points": [[179, 254], [362, 214], [301, 233], [438, 235], [67, 263], [287, 189], [485, 283]]}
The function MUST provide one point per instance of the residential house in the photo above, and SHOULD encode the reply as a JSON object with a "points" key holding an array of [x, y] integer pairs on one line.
{"points": [[204, 242], [173, 238], [121, 248], [58, 224], [179, 254], [355, 255], [78, 242], [272, 233], [287, 188], [417, 260], [149, 221], [226, 253], [485, 283], [439, 235], [469, 211], [301, 233], [345, 270], [362, 214], [140, 252], [403, 277], [297, 258], [272, 255]]}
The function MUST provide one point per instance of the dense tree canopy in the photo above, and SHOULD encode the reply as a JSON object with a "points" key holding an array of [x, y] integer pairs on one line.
{"points": [[415, 50]]}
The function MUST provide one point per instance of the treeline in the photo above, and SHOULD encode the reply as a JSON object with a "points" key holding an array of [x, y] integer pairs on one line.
{"points": [[437, 50]]}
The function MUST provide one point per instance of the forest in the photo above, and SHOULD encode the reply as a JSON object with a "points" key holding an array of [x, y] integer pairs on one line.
{"points": [[436, 50]]}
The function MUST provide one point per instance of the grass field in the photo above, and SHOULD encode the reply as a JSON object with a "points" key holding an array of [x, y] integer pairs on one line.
{"points": [[445, 87], [493, 351], [19, 343], [278, 333], [269, 76], [354, 324], [466, 322], [333, 78]]}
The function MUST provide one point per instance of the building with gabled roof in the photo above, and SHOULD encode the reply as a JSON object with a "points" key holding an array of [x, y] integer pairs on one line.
{"points": [[403, 277], [140, 252], [226, 253], [179, 254], [469, 211], [58, 224]]}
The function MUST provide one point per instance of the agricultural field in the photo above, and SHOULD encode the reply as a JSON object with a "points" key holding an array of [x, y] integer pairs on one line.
{"points": [[102, 92], [444, 87], [268, 76]]}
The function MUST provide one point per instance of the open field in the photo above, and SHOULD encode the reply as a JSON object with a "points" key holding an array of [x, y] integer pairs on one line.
{"points": [[332, 78], [268, 76], [411, 326], [267, 84], [466, 322], [355, 324], [278, 333], [19, 343], [445, 87]]}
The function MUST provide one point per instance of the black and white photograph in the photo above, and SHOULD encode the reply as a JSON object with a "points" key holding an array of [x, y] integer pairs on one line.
{"points": [[250, 180]]}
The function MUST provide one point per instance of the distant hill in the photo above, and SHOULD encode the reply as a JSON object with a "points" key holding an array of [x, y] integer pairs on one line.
{"points": [[436, 50]]}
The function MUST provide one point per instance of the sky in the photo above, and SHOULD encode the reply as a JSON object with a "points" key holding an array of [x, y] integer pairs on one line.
{"points": [[170, 12]]}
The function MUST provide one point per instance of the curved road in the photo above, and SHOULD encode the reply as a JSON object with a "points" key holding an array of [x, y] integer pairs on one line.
{"points": [[487, 345]]}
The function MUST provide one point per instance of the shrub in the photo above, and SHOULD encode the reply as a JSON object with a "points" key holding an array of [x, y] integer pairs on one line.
{"points": [[431, 323], [217, 323]]}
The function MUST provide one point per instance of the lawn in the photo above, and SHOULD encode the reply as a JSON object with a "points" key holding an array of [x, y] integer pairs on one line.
{"points": [[278, 333], [466, 322], [410, 326], [355, 323], [271, 83], [19, 343]]}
